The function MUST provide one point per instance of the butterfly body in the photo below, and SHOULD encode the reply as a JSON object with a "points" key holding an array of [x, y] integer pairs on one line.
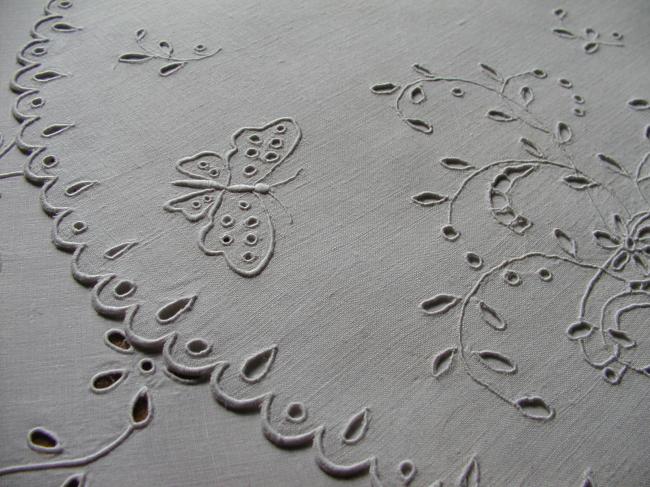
{"points": [[229, 191]]}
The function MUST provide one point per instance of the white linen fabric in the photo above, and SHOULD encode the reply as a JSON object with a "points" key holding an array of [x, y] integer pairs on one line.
{"points": [[291, 243]]}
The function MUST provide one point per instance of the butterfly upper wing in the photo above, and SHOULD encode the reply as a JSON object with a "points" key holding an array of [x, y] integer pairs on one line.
{"points": [[257, 151], [204, 166], [242, 231]]}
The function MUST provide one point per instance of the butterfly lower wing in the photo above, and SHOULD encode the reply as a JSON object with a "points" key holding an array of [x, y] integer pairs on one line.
{"points": [[242, 231], [257, 151], [195, 205]]}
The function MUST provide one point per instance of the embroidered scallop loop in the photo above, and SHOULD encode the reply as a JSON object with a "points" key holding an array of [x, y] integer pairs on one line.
{"points": [[43, 441], [174, 310], [356, 427], [258, 365]]}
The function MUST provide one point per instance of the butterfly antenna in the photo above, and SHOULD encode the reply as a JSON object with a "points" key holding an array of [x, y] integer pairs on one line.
{"points": [[288, 180], [288, 213]]}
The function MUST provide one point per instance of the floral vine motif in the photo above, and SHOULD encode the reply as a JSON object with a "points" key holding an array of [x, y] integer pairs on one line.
{"points": [[606, 345], [163, 50], [229, 192], [590, 38]]}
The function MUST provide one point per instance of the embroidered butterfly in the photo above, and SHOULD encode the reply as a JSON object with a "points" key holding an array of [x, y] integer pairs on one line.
{"points": [[230, 192]]}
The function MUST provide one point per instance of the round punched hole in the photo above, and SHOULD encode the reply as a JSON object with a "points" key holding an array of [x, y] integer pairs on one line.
{"points": [[252, 153], [200, 48], [227, 239], [617, 35], [244, 205], [49, 161], [124, 289], [214, 172], [295, 412], [39, 51], [250, 239], [207, 198], [254, 139], [196, 204], [146, 366], [37, 102], [544, 274], [539, 73], [79, 227], [276, 143], [457, 92], [250, 170], [579, 112], [578, 99], [248, 257], [203, 165], [65, 4], [271, 156], [227, 221], [565, 83], [280, 129], [198, 347], [251, 222], [450, 233]]}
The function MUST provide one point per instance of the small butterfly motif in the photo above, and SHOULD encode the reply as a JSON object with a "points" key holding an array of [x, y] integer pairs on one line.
{"points": [[229, 192]]}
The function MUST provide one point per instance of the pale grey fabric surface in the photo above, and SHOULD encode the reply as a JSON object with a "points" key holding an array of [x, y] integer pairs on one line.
{"points": [[338, 300]]}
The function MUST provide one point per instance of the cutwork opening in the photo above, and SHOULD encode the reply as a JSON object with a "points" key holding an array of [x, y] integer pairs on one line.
{"points": [[227, 221], [271, 156], [251, 239], [250, 170], [248, 257], [227, 239], [146, 366], [197, 347], [123, 289], [79, 227], [251, 222], [49, 161], [252, 153]]}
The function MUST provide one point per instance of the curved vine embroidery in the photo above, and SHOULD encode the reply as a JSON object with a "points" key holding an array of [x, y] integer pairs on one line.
{"points": [[229, 192], [626, 239], [590, 38], [163, 50]]}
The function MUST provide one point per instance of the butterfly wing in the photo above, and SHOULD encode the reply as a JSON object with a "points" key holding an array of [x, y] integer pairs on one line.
{"points": [[242, 231], [204, 166], [258, 151]]}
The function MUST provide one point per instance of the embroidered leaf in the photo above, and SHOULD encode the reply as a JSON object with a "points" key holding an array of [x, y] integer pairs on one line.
{"points": [[356, 427], [171, 68], [56, 129], [621, 337], [566, 243], [439, 304], [530, 147], [620, 261], [450, 233], [563, 133], [560, 13], [428, 198], [579, 182], [534, 407], [499, 116], [417, 95], [640, 169], [619, 224], [456, 164], [591, 47], [75, 480], [612, 164], [606, 240], [442, 361], [566, 34], [418, 68], [587, 481], [491, 317], [612, 375], [255, 367], [79, 187], [384, 88], [471, 474], [166, 48], [639, 104], [64, 27], [579, 330], [42, 440], [46, 76], [119, 250], [641, 262], [134, 58], [490, 72], [419, 125], [140, 34], [172, 311], [527, 95], [407, 471], [141, 409], [496, 361], [116, 339], [107, 380]]}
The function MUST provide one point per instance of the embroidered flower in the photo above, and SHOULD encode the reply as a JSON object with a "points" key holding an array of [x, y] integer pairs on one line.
{"points": [[630, 242]]}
